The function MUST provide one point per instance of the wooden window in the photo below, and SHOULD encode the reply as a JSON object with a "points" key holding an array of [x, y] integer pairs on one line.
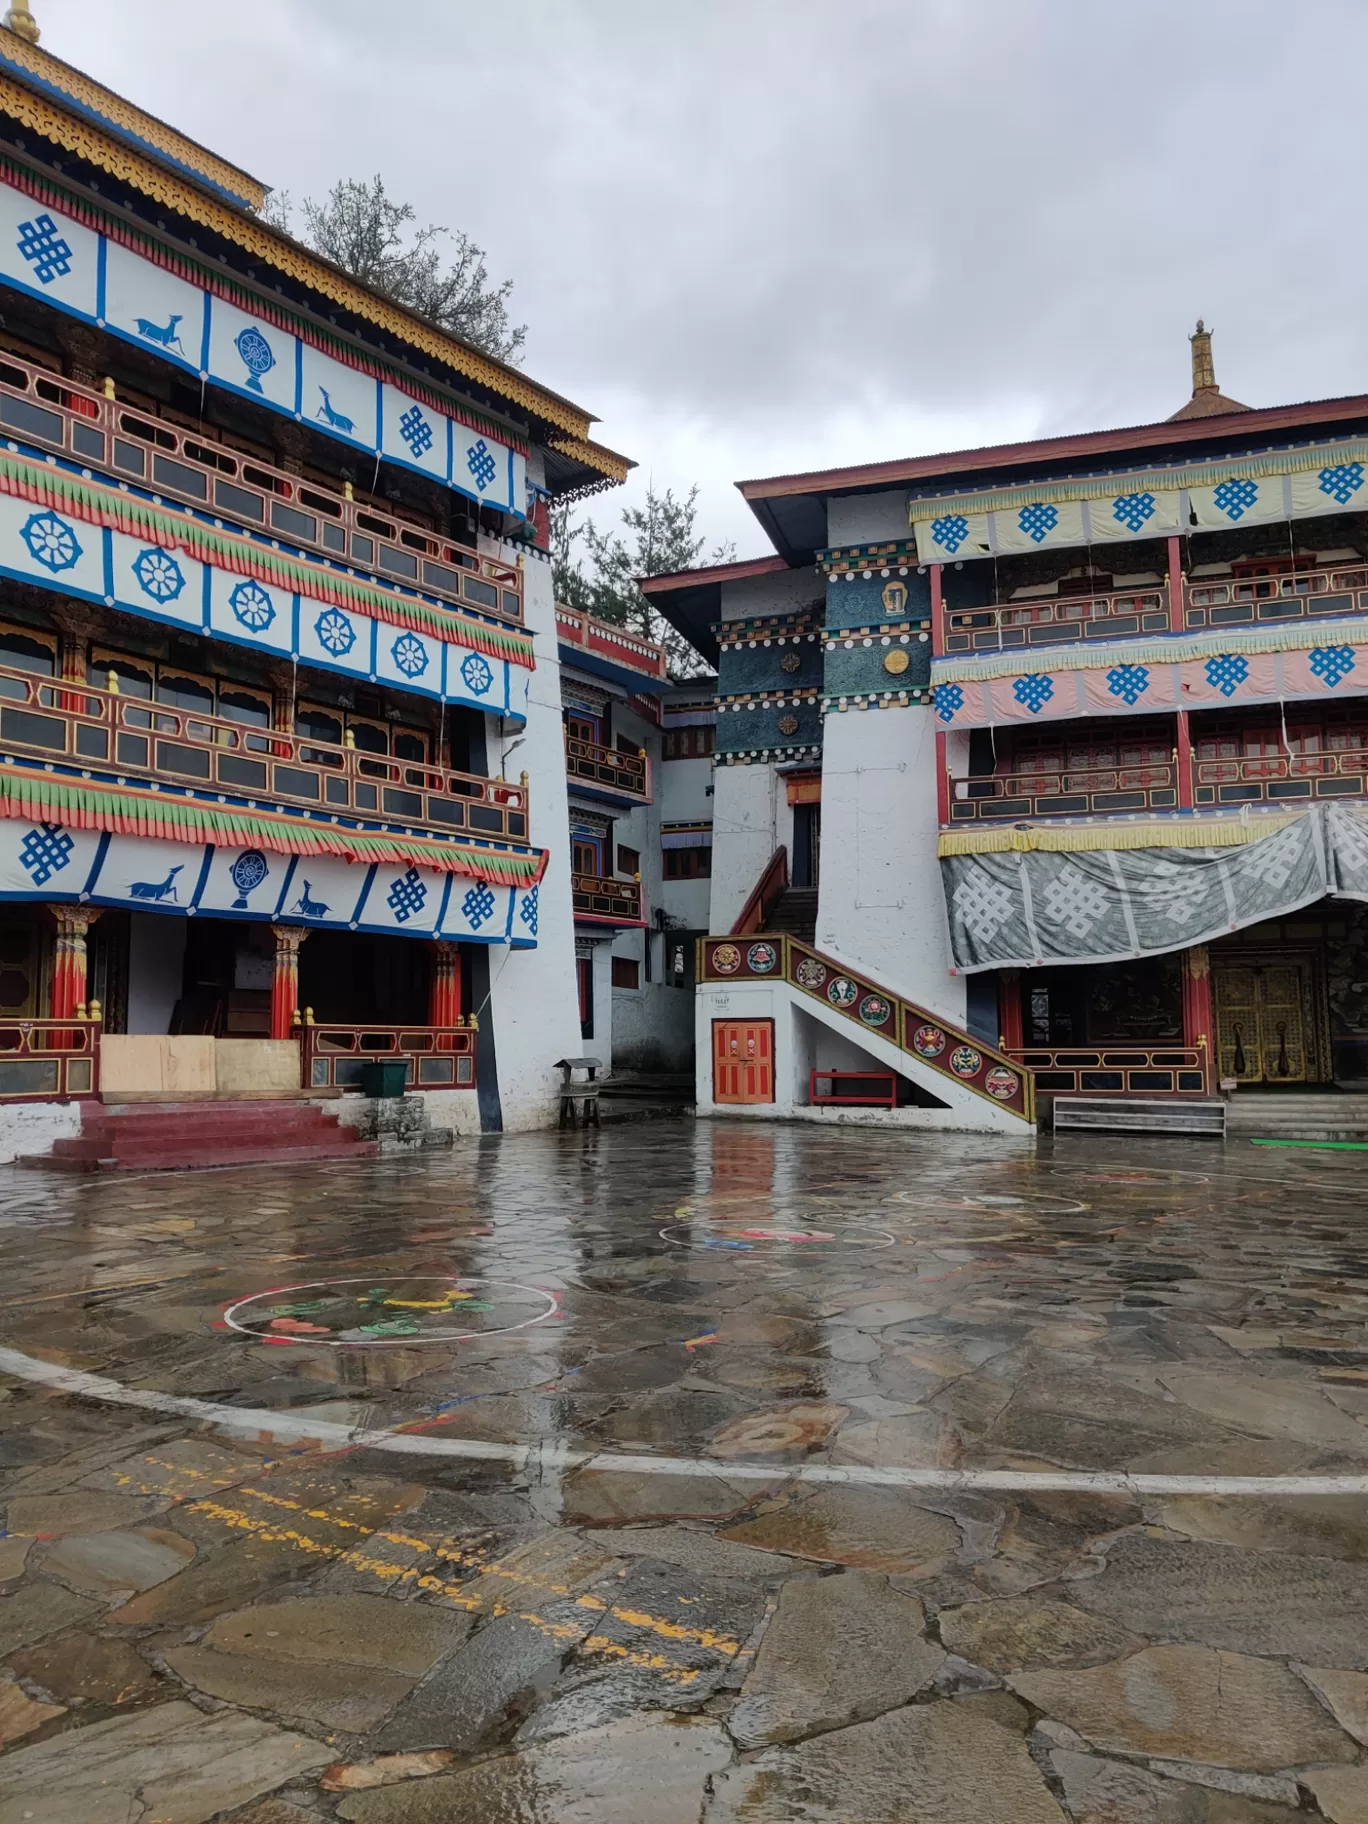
{"points": [[628, 860], [586, 856], [410, 744], [318, 724], [580, 726], [688, 864], [686, 743], [626, 972], [242, 706], [184, 692], [24, 651]]}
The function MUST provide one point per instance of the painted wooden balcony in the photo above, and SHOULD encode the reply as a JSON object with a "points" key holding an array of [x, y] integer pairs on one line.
{"points": [[598, 900], [434, 1057], [196, 469], [616, 645], [1281, 778], [1054, 620], [1280, 594], [1116, 1070], [1064, 792], [607, 773], [45, 720]]}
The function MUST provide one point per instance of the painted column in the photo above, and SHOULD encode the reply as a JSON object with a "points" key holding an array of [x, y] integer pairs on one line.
{"points": [[1183, 755], [937, 613], [942, 781], [69, 968], [1009, 1010], [1175, 583], [444, 999], [1197, 1021], [285, 981]]}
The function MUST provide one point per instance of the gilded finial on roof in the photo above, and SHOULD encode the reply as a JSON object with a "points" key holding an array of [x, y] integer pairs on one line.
{"points": [[1203, 367], [22, 22]]}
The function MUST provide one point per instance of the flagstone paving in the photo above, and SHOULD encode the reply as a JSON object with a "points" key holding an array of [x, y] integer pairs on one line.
{"points": [[210, 1620]]}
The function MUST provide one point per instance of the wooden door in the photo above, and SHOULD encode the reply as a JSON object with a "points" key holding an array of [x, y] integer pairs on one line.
{"points": [[20, 964], [743, 1060], [1264, 1030]]}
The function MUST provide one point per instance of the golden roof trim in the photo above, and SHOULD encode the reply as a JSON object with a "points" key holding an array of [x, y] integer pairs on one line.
{"points": [[595, 456], [87, 93], [287, 256]]}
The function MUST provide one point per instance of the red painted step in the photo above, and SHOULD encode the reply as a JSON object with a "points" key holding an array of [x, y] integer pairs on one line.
{"points": [[186, 1136]]}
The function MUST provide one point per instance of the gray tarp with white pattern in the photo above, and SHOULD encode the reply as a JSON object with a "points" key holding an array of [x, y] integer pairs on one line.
{"points": [[1020, 909]]}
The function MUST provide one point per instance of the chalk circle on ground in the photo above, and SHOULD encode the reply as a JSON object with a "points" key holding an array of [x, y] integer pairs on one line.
{"points": [[388, 1312], [991, 1203], [740, 1237]]}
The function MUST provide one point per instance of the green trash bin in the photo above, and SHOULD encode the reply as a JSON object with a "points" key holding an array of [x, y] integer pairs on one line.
{"points": [[388, 1078]]}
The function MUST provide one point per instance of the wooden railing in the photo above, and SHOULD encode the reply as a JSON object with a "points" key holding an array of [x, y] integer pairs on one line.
{"points": [[435, 1057], [49, 1061], [195, 467], [1116, 1070], [1242, 601], [940, 1047], [1066, 792], [608, 769], [764, 895], [595, 897], [1053, 619], [1278, 778], [609, 642], [47, 719]]}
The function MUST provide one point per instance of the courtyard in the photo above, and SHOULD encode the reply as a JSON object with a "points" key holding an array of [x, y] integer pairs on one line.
{"points": [[689, 1472]]}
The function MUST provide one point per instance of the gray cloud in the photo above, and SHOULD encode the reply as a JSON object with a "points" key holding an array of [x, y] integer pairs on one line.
{"points": [[765, 235]]}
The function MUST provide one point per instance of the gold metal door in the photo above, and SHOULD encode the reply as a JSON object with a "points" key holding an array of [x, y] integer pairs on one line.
{"points": [[1263, 1030]]}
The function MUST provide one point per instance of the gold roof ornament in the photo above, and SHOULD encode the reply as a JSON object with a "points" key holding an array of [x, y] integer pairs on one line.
{"points": [[1207, 401], [22, 22]]}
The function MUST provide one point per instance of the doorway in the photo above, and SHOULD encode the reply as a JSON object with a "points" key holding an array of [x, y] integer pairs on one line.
{"points": [[1271, 1019]]}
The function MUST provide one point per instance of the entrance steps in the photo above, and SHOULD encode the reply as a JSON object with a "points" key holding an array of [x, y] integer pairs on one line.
{"points": [[1171, 1115], [796, 913], [189, 1136], [1275, 1115]]}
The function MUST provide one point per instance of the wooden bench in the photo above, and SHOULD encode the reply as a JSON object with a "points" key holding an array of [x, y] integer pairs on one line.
{"points": [[885, 1096], [579, 1097]]}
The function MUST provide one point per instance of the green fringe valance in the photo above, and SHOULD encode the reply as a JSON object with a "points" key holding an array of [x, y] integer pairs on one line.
{"points": [[89, 805]]}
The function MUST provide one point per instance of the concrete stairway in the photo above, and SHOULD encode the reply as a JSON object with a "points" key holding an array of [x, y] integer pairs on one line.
{"points": [[795, 912], [1289, 1115], [187, 1136]]}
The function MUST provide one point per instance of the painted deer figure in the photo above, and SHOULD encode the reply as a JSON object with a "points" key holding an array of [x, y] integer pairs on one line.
{"points": [[157, 889], [330, 415], [311, 908], [165, 337]]}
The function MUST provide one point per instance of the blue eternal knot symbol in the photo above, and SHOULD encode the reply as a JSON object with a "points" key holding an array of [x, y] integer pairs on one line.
{"points": [[1235, 498], [416, 432], [1227, 673], [159, 575], [1128, 682], [1033, 691], [45, 852], [478, 905], [528, 911], [1332, 663], [51, 541], [1132, 510], [478, 677], [252, 607], [481, 464], [410, 655], [950, 532], [949, 700], [42, 246], [1036, 521], [1343, 481], [406, 896], [335, 632]]}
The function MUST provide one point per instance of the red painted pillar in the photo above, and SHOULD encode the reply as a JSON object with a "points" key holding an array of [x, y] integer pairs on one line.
{"points": [[69, 967], [937, 613], [444, 998], [285, 981], [1198, 1027], [942, 782], [1175, 582], [1183, 752], [1009, 1010]]}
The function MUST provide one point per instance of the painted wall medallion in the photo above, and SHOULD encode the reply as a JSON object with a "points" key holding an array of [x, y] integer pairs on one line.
{"points": [[257, 356], [1002, 1083], [928, 1041], [810, 973], [875, 1010], [965, 1061], [762, 958], [726, 959], [788, 725], [897, 661], [842, 992], [247, 874], [790, 662]]}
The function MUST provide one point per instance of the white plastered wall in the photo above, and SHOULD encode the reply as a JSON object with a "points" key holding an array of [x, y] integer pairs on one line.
{"points": [[751, 818], [156, 966], [33, 1127], [532, 997]]}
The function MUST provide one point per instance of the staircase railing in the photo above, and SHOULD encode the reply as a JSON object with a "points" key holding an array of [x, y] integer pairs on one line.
{"points": [[764, 895], [933, 1041]]}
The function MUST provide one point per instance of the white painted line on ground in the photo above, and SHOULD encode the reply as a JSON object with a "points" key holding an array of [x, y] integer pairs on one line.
{"points": [[551, 1453]]}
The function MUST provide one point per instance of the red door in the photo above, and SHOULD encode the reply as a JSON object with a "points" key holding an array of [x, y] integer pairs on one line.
{"points": [[743, 1060]]}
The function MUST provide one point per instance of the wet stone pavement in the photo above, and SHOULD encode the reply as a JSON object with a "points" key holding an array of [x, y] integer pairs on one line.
{"points": [[561, 1480]]}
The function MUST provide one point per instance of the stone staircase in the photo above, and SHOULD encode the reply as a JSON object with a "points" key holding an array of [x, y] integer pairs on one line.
{"points": [[189, 1136], [1290, 1115], [795, 912]]}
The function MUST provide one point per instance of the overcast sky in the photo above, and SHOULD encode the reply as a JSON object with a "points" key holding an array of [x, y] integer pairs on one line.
{"points": [[759, 236]]}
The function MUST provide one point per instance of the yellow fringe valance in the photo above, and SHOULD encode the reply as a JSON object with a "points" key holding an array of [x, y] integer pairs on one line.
{"points": [[1184, 834]]}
